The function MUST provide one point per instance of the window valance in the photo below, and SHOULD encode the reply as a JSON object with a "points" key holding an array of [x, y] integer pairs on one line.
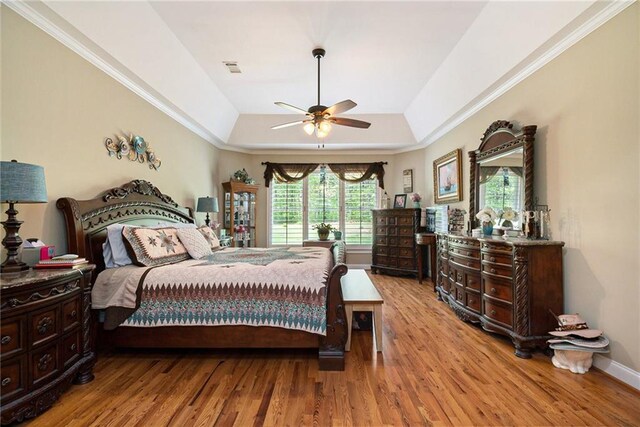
{"points": [[287, 172], [358, 172], [349, 172]]}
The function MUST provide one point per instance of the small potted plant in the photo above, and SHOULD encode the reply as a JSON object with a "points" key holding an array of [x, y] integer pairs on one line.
{"points": [[323, 230]]}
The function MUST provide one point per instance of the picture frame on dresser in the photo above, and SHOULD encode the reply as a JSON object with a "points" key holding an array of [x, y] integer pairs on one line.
{"points": [[447, 177], [400, 201]]}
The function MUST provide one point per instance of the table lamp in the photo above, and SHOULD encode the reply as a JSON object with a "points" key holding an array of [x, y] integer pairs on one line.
{"points": [[19, 183], [207, 204]]}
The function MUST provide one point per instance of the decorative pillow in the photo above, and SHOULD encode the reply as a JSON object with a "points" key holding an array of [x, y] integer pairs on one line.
{"points": [[210, 237], [194, 241], [154, 246]]}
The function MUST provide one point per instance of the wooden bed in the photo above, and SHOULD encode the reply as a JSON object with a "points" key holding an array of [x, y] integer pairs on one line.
{"points": [[141, 203]]}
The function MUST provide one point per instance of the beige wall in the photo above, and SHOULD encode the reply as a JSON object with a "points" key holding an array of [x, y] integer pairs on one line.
{"points": [[56, 111], [585, 103]]}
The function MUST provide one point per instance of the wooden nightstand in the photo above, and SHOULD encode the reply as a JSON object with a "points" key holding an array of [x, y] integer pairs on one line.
{"points": [[322, 243], [46, 338]]}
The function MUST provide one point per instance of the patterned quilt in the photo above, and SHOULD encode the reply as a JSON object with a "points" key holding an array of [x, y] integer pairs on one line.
{"points": [[281, 287]]}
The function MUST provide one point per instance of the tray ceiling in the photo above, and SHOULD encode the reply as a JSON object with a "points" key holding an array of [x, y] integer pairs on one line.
{"points": [[414, 68]]}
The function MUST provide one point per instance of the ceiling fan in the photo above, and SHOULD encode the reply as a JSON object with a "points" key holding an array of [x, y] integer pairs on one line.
{"points": [[319, 117]]}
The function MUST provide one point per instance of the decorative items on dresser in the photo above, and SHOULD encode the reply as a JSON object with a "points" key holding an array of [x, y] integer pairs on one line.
{"points": [[46, 338], [394, 248], [239, 216], [510, 287]]}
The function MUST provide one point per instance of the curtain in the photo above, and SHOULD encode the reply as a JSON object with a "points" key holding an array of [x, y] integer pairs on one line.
{"points": [[358, 172], [488, 172], [287, 172], [517, 170]]}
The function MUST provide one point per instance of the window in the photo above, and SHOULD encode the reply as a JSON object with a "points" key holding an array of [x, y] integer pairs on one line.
{"points": [[321, 197], [503, 190]]}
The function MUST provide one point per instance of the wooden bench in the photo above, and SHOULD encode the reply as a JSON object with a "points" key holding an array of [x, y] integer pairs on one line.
{"points": [[359, 294]]}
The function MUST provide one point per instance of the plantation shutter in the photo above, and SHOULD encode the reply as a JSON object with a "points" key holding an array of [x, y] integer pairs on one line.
{"points": [[287, 213], [359, 199]]}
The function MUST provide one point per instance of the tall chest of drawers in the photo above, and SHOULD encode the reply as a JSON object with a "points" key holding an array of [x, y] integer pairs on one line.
{"points": [[510, 287], [46, 338], [394, 245]]}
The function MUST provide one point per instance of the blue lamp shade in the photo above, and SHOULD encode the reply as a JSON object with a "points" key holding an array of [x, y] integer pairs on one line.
{"points": [[22, 183], [207, 204]]}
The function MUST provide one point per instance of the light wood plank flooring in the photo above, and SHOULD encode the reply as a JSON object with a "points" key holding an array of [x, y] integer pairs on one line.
{"points": [[435, 370]]}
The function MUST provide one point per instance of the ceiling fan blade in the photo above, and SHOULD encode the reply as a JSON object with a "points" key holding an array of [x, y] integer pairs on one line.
{"points": [[350, 122], [286, 125], [340, 107], [291, 107]]}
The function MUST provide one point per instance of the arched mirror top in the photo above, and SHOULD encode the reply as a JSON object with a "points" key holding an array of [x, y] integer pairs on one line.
{"points": [[501, 173]]}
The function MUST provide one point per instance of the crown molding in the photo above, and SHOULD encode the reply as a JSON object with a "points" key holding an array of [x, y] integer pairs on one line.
{"points": [[29, 12], [506, 83]]}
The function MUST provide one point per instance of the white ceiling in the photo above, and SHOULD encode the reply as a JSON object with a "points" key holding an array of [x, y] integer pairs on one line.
{"points": [[378, 54], [416, 69]]}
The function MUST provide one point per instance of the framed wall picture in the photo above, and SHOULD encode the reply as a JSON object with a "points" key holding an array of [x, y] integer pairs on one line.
{"points": [[407, 180], [400, 201], [447, 178]]}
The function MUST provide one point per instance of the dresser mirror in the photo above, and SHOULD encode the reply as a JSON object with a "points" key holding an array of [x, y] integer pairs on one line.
{"points": [[501, 172]]}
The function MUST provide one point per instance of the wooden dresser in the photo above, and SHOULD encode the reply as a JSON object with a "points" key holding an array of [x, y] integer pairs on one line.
{"points": [[394, 245], [508, 286], [46, 338]]}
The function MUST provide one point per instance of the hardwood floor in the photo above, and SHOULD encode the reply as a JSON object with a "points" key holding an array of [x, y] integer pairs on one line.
{"points": [[435, 370]]}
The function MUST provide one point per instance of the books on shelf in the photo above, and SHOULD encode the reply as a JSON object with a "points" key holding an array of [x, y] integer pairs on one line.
{"points": [[61, 263]]}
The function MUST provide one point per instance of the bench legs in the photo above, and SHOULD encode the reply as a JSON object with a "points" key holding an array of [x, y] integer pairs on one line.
{"points": [[377, 327], [349, 310], [376, 312]]}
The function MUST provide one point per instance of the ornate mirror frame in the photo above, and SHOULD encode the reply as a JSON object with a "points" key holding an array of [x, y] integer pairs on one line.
{"points": [[498, 139]]}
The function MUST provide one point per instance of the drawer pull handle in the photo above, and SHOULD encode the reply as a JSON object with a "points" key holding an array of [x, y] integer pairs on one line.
{"points": [[44, 324], [493, 290], [44, 361], [73, 347], [5, 340], [492, 259], [493, 270], [493, 312], [6, 381], [73, 314], [468, 264]]}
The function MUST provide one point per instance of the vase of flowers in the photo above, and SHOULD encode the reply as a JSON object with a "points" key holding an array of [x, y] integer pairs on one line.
{"points": [[486, 217], [415, 198], [323, 230], [507, 216]]}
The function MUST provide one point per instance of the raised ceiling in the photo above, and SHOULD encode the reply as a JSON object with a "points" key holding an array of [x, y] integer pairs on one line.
{"points": [[415, 68]]}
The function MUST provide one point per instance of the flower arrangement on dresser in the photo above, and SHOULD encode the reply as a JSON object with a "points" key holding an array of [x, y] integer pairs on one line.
{"points": [[507, 216], [486, 216], [416, 198]]}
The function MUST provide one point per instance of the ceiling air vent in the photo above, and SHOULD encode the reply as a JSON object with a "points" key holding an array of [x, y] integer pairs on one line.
{"points": [[232, 66]]}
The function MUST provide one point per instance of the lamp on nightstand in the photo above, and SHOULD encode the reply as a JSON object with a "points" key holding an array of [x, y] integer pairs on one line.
{"points": [[207, 204], [19, 183]]}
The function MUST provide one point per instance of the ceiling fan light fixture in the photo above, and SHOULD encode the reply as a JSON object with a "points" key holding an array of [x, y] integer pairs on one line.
{"points": [[320, 133], [309, 128], [325, 126]]}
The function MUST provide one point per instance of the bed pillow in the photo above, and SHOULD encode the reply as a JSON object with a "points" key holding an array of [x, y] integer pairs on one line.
{"points": [[192, 239], [210, 237], [154, 246], [116, 254]]}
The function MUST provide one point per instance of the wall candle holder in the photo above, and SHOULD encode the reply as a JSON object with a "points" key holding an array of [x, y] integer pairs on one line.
{"points": [[134, 148]]}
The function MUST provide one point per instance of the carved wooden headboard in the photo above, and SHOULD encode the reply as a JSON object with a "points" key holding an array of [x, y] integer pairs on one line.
{"points": [[138, 202]]}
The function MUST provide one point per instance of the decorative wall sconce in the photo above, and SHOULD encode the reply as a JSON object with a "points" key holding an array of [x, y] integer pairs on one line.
{"points": [[134, 148]]}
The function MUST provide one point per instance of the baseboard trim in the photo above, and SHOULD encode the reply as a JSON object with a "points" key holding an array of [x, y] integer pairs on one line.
{"points": [[359, 266], [617, 370]]}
